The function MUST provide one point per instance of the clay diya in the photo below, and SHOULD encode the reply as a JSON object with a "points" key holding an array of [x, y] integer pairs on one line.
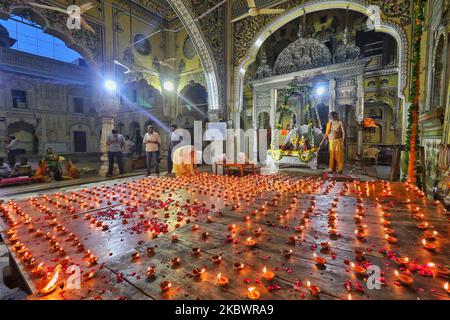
{"points": [[359, 270], [197, 272], [253, 294], [176, 262], [238, 266], [216, 259], [222, 280], [165, 285], [286, 252], [314, 290], [423, 225], [320, 261], [195, 251], [151, 273], [268, 275]]}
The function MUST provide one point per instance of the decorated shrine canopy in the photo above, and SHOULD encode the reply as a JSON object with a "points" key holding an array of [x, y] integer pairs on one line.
{"points": [[219, 237]]}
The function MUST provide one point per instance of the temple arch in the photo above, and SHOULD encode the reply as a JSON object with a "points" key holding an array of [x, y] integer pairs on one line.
{"points": [[313, 6]]}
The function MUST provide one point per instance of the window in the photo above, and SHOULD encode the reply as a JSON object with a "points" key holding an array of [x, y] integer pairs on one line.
{"points": [[135, 95], [78, 105], [32, 39], [19, 98]]}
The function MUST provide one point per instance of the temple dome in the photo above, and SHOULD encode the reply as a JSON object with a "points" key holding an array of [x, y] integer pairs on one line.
{"points": [[302, 54]]}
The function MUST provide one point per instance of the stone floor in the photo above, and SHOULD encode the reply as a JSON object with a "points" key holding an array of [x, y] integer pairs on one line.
{"points": [[381, 172]]}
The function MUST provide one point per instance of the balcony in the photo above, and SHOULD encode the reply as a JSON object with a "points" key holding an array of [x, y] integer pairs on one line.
{"points": [[24, 63]]}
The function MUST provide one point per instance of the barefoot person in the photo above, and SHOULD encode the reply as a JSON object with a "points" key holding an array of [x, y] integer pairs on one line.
{"points": [[335, 134]]}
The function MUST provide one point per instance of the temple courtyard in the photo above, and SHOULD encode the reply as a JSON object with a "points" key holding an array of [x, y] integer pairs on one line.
{"points": [[206, 236]]}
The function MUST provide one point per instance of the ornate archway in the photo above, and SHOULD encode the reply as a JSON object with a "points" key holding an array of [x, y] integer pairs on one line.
{"points": [[204, 51], [54, 23], [312, 6]]}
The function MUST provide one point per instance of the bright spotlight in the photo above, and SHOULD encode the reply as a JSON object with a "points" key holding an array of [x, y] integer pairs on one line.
{"points": [[110, 85], [168, 85], [320, 91]]}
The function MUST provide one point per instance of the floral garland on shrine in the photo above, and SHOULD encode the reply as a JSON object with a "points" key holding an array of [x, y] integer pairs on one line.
{"points": [[412, 133]]}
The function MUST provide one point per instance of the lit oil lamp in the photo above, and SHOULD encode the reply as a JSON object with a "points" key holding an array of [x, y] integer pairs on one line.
{"points": [[359, 270], [92, 260], [314, 290], [231, 227], [446, 288], [430, 246], [197, 272], [175, 237], [205, 235], [176, 262], [52, 284], [325, 246], [391, 239], [165, 285], [286, 252], [135, 256], [195, 251], [423, 225], [253, 293], [151, 273], [250, 242], [257, 232], [222, 280], [238, 266], [320, 261], [195, 227], [267, 274], [299, 228], [216, 259], [430, 235], [402, 261], [404, 279], [88, 275], [37, 271]]}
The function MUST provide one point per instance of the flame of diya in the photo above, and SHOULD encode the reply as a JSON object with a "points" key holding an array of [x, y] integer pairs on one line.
{"points": [[314, 290], [268, 275], [222, 280], [253, 293]]}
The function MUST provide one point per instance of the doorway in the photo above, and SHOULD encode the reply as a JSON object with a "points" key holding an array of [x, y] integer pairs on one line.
{"points": [[79, 140]]}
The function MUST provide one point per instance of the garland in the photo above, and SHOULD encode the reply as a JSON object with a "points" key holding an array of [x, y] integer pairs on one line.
{"points": [[412, 133]]}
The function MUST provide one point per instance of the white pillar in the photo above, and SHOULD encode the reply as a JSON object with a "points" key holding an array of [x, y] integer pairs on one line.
{"points": [[359, 112]]}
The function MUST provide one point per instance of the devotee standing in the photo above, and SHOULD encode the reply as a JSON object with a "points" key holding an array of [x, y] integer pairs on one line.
{"points": [[152, 142], [11, 150], [174, 140], [115, 143], [335, 133]]}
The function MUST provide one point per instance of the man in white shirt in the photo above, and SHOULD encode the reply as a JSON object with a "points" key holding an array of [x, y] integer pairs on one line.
{"points": [[115, 143], [152, 142], [174, 140], [11, 148]]}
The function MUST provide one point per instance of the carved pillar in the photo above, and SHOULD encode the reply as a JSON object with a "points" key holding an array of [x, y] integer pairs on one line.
{"points": [[332, 95], [359, 112], [108, 109]]}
